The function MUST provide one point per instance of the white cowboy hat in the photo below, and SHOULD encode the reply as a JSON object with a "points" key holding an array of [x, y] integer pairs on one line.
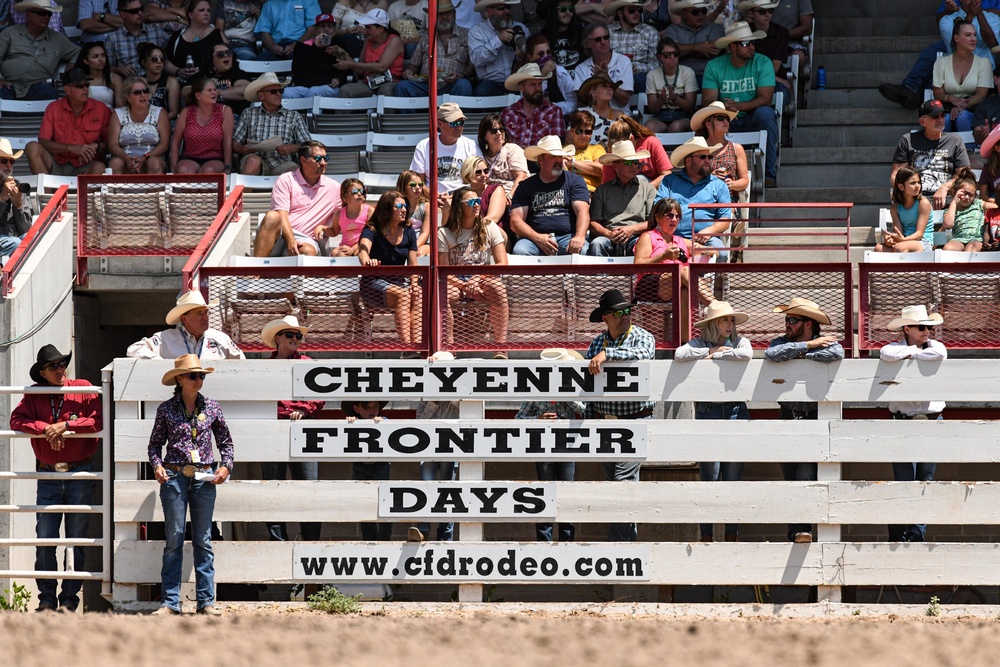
{"points": [[914, 315], [738, 32], [265, 79], [718, 309], [622, 150], [560, 354], [7, 152], [549, 145], [713, 109], [482, 5], [526, 73], [443, 7], [36, 4], [188, 301], [803, 307], [375, 17], [745, 6], [274, 327], [611, 9], [693, 145], [690, 4], [186, 363], [441, 355]]}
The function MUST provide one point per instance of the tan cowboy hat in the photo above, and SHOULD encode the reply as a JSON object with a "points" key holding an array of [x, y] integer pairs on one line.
{"points": [[443, 7], [186, 363], [36, 4], [693, 145], [611, 9], [745, 6], [274, 327], [914, 315], [584, 93], [7, 151], [719, 309], [549, 145], [188, 301], [622, 150], [713, 109], [482, 5], [690, 4], [738, 32], [560, 354], [526, 73], [265, 79], [803, 307], [441, 355]]}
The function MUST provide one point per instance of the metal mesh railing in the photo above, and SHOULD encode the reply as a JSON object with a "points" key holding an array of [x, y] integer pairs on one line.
{"points": [[757, 288], [967, 296]]}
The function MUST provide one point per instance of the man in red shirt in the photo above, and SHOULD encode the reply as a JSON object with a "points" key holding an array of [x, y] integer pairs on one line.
{"points": [[531, 117], [52, 416], [73, 139]]}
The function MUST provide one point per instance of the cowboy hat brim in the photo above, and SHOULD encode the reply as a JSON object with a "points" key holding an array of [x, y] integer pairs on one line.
{"points": [[274, 327], [612, 8], [169, 376], [593, 82], [703, 114], [601, 311], [175, 313], [23, 7], [532, 152], [486, 4], [932, 320], [513, 80], [688, 4], [744, 7], [739, 317], [250, 92], [608, 158], [724, 42], [804, 311], [681, 152], [35, 371], [11, 156], [991, 139]]}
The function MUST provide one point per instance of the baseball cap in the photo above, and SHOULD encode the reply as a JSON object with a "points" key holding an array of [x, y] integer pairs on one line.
{"points": [[932, 108], [450, 112], [73, 76], [325, 18]]}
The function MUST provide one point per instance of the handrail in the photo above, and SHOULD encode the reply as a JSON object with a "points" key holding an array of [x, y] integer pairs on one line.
{"points": [[231, 208], [54, 210]]}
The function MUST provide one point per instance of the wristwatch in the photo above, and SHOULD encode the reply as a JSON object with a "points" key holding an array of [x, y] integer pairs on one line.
{"points": [[100, 17]]}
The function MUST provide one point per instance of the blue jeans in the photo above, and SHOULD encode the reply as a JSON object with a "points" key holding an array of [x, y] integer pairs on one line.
{"points": [[555, 472], [487, 88], [302, 470], [415, 88], [444, 471], [371, 532], [267, 54], [61, 492], [725, 471], [527, 247], [622, 471], [911, 472], [922, 72], [244, 53], [37, 91], [602, 246], [639, 79], [762, 118], [177, 494], [8, 244], [299, 92], [947, 24]]}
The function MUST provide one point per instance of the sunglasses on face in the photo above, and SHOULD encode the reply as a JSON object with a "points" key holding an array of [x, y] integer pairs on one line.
{"points": [[399, 207], [632, 10], [223, 54], [80, 85], [47, 15], [195, 376], [746, 42], [6, 160], [605, 38], [719, 119], [669, 54], [415, 185], [297, 335], [279, 91], [624, 312], [138, 10], [763, 11], [631, 163], [456, 123], [155, 59], [57, 366], [543, 54], [697, 12], [141, 91], [583, 131], [480, 172], [318, 158], [358, 191], [671, 216], [475, 201], [565, 9], [793, 320], [699, 157], [495, 130], [919, 327]]}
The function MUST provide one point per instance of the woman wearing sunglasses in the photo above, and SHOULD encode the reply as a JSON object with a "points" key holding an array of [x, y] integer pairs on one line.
{"points": [[411, 184], [729, 160], [188, 475], [230, 80], [596, 95], [671, 90], [581, 129], [495, 204], [138, 133], [916, 343], [164, 89], [505, 159], [348, 222], [660, 244], [205, 130]]}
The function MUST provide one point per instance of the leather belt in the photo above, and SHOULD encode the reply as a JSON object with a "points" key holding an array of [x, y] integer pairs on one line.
{"points": [[900, 415], [64, 466], [642, 414], [188, 470]]}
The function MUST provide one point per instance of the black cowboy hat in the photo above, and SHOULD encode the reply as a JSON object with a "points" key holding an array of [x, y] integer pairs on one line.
{"points": [[47, 355], [610, 301], [348, 407]]}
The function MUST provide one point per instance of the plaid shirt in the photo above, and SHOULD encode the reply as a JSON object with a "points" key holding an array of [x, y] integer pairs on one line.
{"points": [[122, 46], [452, 55], [639, 45], [526, 130], [256, 125], [634, 344], [493, 59]]}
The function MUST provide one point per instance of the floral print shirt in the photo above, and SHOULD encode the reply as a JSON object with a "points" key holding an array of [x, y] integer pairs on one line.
{"points": [[183, 434]]}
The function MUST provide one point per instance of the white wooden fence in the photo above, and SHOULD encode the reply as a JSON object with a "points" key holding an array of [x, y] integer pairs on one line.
{"points": [[248, 391]]}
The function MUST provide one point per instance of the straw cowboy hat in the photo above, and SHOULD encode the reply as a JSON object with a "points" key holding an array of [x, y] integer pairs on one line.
{"points": [[693, 145], [738, 32], [720, 309], [745, 6], [265, 79], [36, 4], [47, 355], [527, 72], [441, 355], [548, 145], [274, 327], [611, 301], [588, 85], [560, 354], [803, 307], [443, 7], [7, 152], [713, 109], [611, 9], [482, 5], [913, 316], [622, 150], [186, 363], [679, 7], [985, 150], [188, 301]]}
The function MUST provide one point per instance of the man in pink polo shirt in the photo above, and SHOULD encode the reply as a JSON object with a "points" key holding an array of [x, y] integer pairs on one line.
{"points": [[300, 201]]}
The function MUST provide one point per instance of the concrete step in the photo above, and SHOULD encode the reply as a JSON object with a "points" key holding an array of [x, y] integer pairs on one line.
{"points": [[834, 155], [862, 215], [874, 8], [846, 136], [891, 116], [864, 195], [843, 175], [859, 236], [835, 44], [863, 79], [849, 98], [912, 24], [856, 61]]}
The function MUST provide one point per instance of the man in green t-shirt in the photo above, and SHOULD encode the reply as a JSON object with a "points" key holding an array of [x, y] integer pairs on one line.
{"points": [[744, 81]]}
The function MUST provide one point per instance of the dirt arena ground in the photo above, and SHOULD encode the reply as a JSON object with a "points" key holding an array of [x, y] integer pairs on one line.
{"points": [[415, 638]]}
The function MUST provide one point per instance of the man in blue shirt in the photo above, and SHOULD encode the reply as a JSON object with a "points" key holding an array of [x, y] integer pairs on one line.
{"points": [[284, 22], [692, 182]]}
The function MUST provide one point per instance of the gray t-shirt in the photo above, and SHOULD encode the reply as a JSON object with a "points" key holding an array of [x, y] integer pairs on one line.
{"points": [[937, 161], [787, 12], [682, 34]]}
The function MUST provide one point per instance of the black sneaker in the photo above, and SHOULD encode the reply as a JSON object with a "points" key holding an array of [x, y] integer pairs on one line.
{"points": [[899, 94]]}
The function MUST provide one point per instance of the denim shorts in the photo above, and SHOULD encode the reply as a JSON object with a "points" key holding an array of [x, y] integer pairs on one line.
{"points": [[373, 290]]}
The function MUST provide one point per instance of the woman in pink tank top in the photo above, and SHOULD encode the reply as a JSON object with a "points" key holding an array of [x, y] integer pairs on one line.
{"points": [[202, 142], [383, 51], [348, 222]]}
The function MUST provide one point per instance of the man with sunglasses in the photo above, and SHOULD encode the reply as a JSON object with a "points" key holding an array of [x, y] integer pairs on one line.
{"points": [[15, 205], [452, 149], [51, 417], [775, 43], [122, 45], [30, 54], [633, 38], [803, 339], [620, 208], [258, 125], [493, 45], [695, 34], [604, 60], [190, 333], [623, 341], [73, 138]]}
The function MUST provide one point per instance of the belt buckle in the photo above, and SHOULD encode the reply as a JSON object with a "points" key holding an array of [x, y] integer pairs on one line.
{"points": [[61, 467], [188, 471]]}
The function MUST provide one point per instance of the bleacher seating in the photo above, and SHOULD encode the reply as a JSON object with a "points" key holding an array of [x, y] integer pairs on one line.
{"points": [[257, 67], [21, 118], [335, 115], [390, 153]]}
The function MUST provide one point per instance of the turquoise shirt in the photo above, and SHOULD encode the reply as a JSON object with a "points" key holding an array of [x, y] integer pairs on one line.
{"points": [[739, 84]]}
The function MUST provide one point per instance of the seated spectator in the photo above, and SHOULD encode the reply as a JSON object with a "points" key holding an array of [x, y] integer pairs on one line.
{"points": [[729, 161], [695, 35], [596, 95], [190, 50], [603, 62], [911, 211], [633, 38], [355, 410], [671, 91], [452, 149], [301, 201], [550, 212], [936, 154], [314, 63], [24, 69], [347, 222], [96, 18], [105, 85], [230, 80], [409, 19], [383, 52], [564, 30], [494, 202], [73, 138], [493, 45], [620, 208], [660, 244], [797, 17], [190, 334], [389, 241], [453, 65], [986, 115], [560, 90], [989, 178], [164, 90], [170, 15], [284, 22], [531, 117], [586, 154], [467, 238], [411, 184], [758, 15], [962, 80], [202, 141], [15, 205], [259, 125], [349, 14], [237, 19], [507, 166], [983, 16], [139, 133], [21, 17], [652, 168], [124, 45], [966, 215]]}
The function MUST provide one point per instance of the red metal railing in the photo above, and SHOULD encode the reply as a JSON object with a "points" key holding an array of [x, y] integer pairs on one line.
{"points": [[230, 211], [54, 210]]}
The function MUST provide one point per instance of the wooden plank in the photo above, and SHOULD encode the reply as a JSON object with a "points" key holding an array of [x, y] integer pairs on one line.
{"points": [[964, 503], [911, 564], [900, 440]]}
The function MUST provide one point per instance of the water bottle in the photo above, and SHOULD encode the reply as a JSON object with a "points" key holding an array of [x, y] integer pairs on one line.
{"points": [[820, 78], [189, 63]]}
